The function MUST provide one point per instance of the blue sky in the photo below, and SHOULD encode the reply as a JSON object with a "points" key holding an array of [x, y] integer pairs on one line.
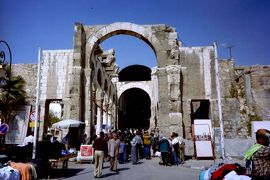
{"points": [[49, 24]]}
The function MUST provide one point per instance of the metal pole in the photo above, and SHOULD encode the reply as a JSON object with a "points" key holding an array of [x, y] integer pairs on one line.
{"points": [[219, 104], [37, 106]]}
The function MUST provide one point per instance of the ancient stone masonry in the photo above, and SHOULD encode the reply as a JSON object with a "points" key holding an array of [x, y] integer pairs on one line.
{"points": [[162, 39], [29, 73], [253, 91], [54, 68], [182, 87], [240, 86], [197, 82]]}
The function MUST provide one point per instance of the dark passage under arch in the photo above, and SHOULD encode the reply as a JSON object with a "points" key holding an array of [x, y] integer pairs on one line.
{"points": [[134, 109], [135, 73]]}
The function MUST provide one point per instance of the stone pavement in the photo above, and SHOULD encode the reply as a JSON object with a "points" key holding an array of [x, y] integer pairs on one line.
{"points": [[149, 169], [205, 164]]}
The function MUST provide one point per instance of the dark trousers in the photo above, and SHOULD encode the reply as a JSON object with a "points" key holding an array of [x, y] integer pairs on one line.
{"points": [[121, 158], [165, 158]]}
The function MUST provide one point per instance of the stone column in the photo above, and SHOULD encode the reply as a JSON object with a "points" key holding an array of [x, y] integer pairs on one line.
{"points": [[163, 111], [114, 124], [88, 106], [93, 110], [109, 123], [105, 114], [104, 117], [175, 116], [99, 112], [99, 119], [109, 115], [42, 120], [75, 74]]}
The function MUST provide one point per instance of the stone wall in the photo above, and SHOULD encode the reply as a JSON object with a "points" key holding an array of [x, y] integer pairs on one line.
{"points": [[54, 71], [260, 90], [235, 124], [197, 80], [29, 74], [227, 77]]}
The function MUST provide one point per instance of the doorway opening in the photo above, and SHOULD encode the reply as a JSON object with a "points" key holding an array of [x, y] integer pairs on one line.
{"points": [[54, 109], [200, 109], [134, 109]]}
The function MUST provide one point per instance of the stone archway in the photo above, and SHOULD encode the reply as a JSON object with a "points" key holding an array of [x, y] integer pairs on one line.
{"points": [[163, 41], [161, 38]]}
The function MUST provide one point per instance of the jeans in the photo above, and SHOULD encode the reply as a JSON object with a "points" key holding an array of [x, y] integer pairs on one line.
{"points": [[176, 159], [147, 153]]}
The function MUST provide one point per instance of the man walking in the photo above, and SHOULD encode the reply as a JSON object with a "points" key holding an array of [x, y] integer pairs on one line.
{"points": [[113, 151], [101, 149], [136, 144]]}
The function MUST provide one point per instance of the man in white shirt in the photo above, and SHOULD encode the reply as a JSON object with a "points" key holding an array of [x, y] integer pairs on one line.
{"points": [[28, 139], [178, 146]]}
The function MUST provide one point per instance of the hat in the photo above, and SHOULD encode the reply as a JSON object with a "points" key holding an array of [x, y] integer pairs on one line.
{"points": [[161, 135]]}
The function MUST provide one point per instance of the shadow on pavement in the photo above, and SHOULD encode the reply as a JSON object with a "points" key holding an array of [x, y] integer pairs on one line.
{"points": [[64, 173], [123, 169], [115, 173], [137, 163]]}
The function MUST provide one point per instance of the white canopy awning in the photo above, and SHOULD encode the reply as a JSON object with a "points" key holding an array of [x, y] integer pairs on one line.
{"points": [[67, 123]]}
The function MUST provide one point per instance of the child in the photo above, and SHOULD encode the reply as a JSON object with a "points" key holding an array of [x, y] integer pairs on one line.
{"points": [[122, 149]]}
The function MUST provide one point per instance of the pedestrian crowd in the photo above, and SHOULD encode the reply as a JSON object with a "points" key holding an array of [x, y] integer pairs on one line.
{"points": [[131, 145]]}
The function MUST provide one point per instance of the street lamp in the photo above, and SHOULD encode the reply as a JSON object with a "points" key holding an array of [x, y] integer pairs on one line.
{"points": [[3, 58], [3, 74]]}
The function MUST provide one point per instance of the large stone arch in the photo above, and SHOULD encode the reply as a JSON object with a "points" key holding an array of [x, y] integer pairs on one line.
{"points": [[161, 38], [106, 31]]}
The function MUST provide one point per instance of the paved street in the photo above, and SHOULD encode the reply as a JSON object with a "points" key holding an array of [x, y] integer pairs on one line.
{"points": [[145, 170]]}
